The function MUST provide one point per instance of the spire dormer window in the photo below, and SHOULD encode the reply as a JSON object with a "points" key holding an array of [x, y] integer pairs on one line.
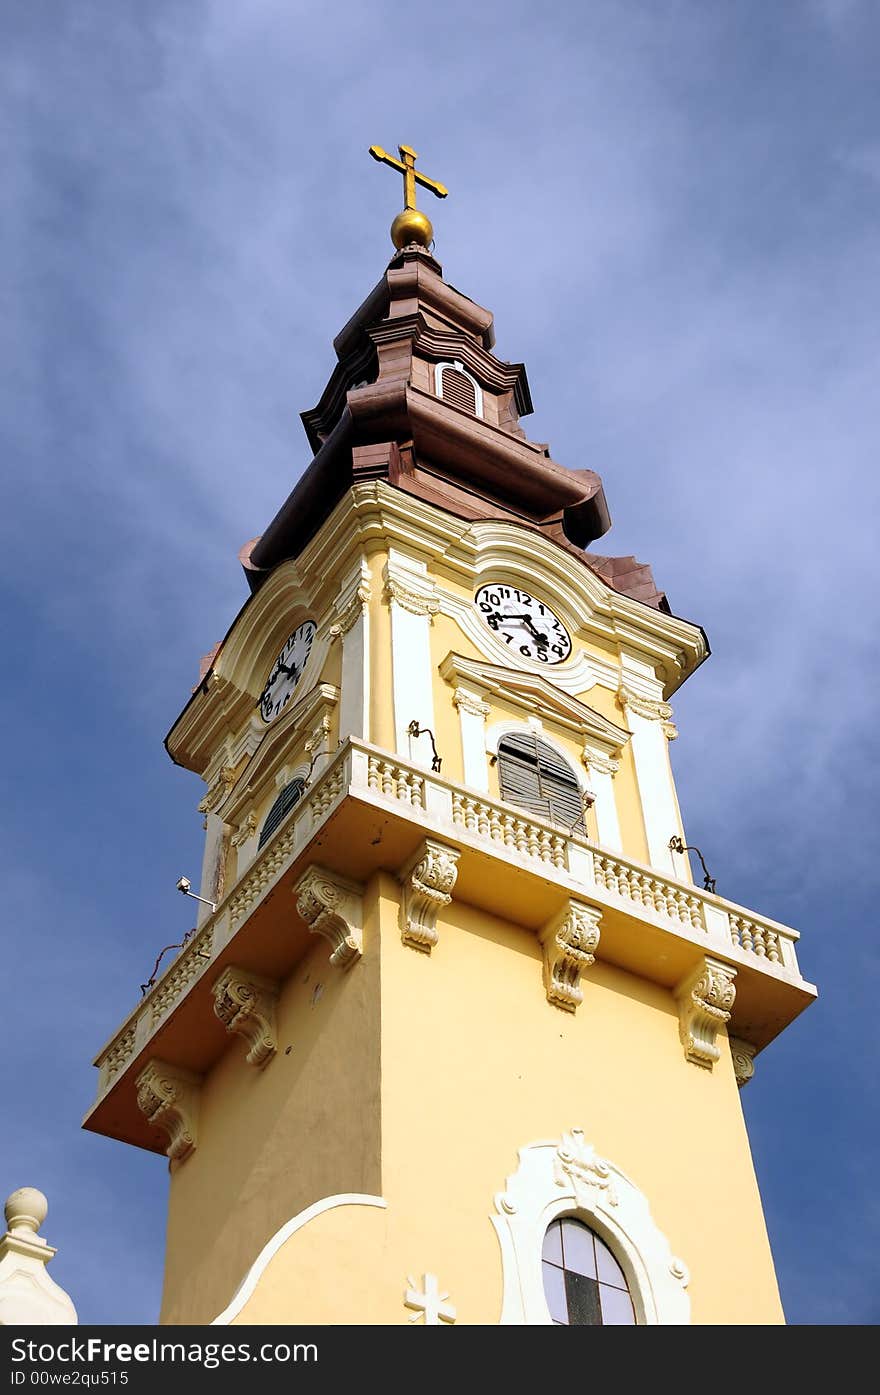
{"points": [[455, 384]]}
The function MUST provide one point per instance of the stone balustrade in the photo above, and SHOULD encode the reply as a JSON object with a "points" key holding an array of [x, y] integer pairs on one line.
{"points": [[467, 819]]}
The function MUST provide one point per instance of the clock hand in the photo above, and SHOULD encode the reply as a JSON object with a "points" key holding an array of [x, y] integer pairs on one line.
{"points": [[292, 672], [527, 619]]}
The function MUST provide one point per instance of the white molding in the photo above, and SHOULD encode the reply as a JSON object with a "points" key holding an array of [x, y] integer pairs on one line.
{"points": [[459, 368], [536, 695], [567, 1177], [246, 1288]]}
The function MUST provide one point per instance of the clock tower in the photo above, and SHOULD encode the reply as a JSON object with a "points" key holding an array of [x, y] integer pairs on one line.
{"points": [[458, 1039]]}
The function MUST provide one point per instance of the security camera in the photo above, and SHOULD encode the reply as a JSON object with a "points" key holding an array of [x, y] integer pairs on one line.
{"points": [[184, 885]]}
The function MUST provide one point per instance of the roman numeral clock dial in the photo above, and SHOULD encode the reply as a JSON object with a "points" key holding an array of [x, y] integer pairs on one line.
{"points": [[526, 624], [286, 672]]}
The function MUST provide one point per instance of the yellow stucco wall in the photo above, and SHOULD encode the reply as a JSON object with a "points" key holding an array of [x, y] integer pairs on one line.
{"points": [[273, 1141], [474, 1064]]}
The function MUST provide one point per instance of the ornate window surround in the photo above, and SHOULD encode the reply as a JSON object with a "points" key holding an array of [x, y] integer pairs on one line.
{"points": [[566, 1177], [509, 726]]}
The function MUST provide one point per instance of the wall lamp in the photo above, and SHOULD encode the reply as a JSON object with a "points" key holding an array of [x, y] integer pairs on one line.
{"points": [[677, 845], [415, 730], [183, 886]]}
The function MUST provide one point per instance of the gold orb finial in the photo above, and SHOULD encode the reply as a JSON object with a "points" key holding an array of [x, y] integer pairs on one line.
{"points": [[411, 225]]}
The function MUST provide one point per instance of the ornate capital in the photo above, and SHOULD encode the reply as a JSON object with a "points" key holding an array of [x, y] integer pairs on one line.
{"points": [[466, 701], [743, 1054], [569, 940], [246, 829], [332, 907], [169, 1098], [245, 1004], [418, 602], [643, 706], [218, 791], [670, 731], [428, 878], [351, 610], [705, 998], [595, 760]]}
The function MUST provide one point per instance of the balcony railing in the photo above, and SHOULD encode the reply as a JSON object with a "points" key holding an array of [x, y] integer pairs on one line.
{"points": [[467, 819]]}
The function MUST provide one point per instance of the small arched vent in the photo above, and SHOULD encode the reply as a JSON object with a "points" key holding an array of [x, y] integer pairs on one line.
{"points": [[454, 384], [289, 796], [535, 777]]}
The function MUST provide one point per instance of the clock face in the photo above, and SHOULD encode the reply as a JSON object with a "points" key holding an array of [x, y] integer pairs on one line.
{"points": [[526, 624], [287, 671]]}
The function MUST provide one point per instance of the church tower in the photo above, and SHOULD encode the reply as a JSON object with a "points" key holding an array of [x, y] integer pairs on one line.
{"points": [[458, 1038]]}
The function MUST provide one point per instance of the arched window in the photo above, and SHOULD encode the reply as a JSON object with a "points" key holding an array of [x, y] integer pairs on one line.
{"points": [[583, 1283], [454, 384], [533, 775], [290, 795]]}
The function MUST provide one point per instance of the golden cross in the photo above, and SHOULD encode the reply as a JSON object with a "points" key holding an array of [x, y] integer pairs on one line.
{"points": [[411, 176]]}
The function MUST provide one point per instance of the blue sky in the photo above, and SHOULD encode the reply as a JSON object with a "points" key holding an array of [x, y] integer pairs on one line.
{"points": [[671, 207]]}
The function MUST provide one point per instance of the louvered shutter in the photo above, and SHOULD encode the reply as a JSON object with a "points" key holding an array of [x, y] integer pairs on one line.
{"points": [[289, 796], [457, 388], [535, 777]]}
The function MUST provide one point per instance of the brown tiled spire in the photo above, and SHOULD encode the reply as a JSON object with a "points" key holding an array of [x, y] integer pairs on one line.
{"points": [[418, 399]]}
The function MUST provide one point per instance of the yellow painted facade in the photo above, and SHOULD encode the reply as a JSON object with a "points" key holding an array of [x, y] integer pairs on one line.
{"points": [[433, 981]]}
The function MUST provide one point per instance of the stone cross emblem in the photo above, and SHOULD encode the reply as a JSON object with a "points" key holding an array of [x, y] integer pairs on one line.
{"points": [[430, 1301]]}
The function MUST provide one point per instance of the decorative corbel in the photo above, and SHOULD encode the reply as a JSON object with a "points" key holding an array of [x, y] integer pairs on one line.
{"points": [[245, 1004], [427, 878], [569, 941], [743, 1055], [218, 791], [332, 906], [705, 998], [169, 1098], [246, 829]]}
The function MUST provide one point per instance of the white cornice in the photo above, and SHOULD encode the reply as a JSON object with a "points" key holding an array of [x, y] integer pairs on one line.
{"points": [[536, 694]]}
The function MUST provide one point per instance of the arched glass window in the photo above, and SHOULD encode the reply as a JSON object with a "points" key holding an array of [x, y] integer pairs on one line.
{"points": [[290, 795], [454, 384], [532, 774], [583, 1283]]}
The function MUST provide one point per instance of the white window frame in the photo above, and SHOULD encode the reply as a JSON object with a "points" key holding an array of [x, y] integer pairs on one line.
{"points": [[567, 1177], [459, 368]]}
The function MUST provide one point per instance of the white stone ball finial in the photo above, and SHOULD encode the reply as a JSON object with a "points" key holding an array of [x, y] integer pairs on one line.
{"points": [[26, 1209]]}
